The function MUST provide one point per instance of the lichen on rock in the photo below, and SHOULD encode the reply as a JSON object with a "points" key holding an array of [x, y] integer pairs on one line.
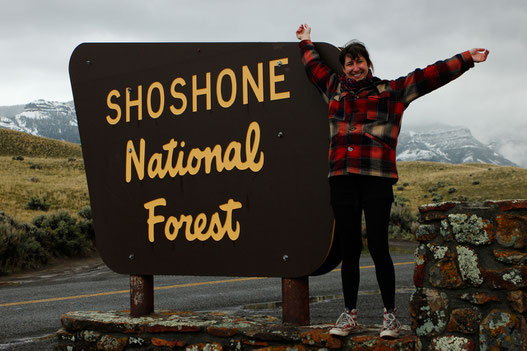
{"points": [[500, 330], [451, 343], [471, 230], [439, 251], [469, 265], [514, 276], [428, 311], [444, 273]]}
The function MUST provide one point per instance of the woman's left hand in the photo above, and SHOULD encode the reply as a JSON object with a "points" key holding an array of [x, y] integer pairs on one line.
{"points": [[479, 54]]}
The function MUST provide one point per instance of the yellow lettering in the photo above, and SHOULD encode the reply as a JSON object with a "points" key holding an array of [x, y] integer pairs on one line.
{"points": [[152, 220], [138, 102], [197, 155], [273, 79], [169, 148], [139, 162], [251, 81], [151, 112], [251, 149], [188, 234], [230, 206], [203, 91], [155, 166], [178, 95], [172, 222], [226, 72], [210, 155], [113, 106], [225, 160], [179, 169], [215, 229], [199, 225], [258, 89], [231, 158]]}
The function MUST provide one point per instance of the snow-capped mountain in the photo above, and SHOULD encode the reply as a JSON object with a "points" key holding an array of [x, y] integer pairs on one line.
{"points": [[51, 119], [438, 142], [447, 144]]}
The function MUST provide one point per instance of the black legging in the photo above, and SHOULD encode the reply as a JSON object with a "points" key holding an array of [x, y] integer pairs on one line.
{"points": [[350, 195]]}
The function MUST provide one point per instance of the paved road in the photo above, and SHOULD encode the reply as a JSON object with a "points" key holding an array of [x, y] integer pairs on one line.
{"points": [[31, 304]]}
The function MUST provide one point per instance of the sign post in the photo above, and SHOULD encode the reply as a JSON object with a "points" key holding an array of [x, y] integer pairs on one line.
{"points": [[295, 300], [204, 159], [141, 295]]}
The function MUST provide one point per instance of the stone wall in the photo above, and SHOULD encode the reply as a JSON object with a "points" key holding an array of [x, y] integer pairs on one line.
{"points": [[211, 331], [471, 276]]}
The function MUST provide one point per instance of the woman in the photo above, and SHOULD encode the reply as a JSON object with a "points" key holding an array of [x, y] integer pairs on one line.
{"points": [[364, 118]]}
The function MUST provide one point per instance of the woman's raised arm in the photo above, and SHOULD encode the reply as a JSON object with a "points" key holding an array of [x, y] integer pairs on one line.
{"points": [[303, 32], [479, 54]]}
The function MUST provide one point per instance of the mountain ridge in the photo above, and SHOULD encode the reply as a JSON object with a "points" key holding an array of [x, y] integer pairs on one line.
{"points": [[50, 119], [446, 144], [433, 142]]}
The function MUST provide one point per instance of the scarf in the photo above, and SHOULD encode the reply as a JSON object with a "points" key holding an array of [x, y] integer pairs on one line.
{"points": [[348, 84]]}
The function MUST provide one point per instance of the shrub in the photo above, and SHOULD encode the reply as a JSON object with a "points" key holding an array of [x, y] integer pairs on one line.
{"points": [[85, 213], [452, 190], [27, 246], [35, 166], [18, 158], [61, 235], [432, 189], [400, 200], [35, 203], [86, 223], [18, 247], [437, 198], [476, 182], [403, 223]]}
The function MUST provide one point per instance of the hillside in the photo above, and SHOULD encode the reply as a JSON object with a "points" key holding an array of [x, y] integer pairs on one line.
{"points": [[54, 170], [13, 143], [62, 182], [427, 182]]}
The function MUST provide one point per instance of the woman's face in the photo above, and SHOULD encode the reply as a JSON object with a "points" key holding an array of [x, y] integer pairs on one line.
{"points": [[356, 69]]}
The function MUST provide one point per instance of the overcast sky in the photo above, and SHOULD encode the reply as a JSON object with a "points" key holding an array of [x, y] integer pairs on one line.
{"points": [[38, 37]]}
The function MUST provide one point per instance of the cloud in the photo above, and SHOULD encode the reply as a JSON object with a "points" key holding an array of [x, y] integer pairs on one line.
{"points": [[401, 36]]}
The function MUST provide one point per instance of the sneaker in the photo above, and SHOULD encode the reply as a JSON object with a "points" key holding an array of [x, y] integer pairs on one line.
{"points": [[347, 323], [390, 325]]}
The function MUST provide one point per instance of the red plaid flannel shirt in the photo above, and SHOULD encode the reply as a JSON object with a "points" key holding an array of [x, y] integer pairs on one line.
{"points": [[364, 126]]}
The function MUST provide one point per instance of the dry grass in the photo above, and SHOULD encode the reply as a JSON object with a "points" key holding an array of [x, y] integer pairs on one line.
{"points": [[58, 175], [50, 168], [62, 181], [475, 182], [13, 143]]}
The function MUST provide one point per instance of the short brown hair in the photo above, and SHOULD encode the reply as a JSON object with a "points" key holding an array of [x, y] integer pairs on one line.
{"points": [[354, 49]]}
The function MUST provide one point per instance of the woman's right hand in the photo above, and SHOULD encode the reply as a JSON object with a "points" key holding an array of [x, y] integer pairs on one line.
{"points": [[303, 32]]}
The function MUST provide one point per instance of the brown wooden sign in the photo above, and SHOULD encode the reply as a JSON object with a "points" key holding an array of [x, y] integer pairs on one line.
{"points": [[205, 159]]}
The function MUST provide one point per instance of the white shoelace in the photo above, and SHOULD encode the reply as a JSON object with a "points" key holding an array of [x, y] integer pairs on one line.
{"points": [[390, 321], [346, 319]]}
